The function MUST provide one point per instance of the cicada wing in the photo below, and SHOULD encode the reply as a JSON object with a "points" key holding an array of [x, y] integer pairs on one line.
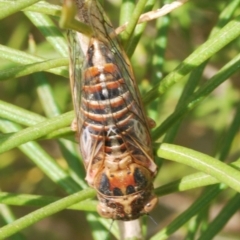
{"points": [[103, 30]]}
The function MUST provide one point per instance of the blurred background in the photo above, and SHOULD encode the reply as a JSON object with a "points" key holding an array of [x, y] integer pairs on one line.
{"points": [[201, 130]]}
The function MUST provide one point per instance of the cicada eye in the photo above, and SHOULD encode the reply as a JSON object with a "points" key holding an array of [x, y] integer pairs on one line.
{"points": [[150, 204], [105, 211]]}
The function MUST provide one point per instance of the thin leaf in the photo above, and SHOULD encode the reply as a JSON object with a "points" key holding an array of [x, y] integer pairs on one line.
{"points": [[44, 212], [36, 131], [32, 68], [202, 162], [227, 34], [17, 6]]}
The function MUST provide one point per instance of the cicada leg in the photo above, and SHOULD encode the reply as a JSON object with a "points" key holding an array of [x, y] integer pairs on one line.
{"points": [[151, 123]]}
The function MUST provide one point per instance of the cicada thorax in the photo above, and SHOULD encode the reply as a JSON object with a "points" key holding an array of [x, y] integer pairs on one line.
{"points": [[114, 137]]}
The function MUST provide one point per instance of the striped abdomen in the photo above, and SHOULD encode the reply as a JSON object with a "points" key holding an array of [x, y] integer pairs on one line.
{"points": [[111, 117]]}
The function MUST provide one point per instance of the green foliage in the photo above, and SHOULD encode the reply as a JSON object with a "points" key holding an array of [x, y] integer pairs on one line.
{"points": [[189, 86]]}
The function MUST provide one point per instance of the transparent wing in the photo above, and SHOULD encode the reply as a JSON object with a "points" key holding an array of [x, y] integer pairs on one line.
{"points": [[103, 30], [110, 116]]}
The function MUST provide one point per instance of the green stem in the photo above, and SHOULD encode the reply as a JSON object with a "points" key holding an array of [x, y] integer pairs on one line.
{"points": [[230, 68], [202, 162], [44, 212], [41, 201], [41, 7], [19, 115], [195, 208], [191, 181], [43, 161], [8, 217], [221, 219], [68, 20], [126, 35], [227, 34], [17, 6], [49, 30], [35, 132], [25, 58], [139, 29], [31, 68]]}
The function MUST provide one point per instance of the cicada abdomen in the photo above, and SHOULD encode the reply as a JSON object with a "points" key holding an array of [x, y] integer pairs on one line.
{"points": [[112, 128]]}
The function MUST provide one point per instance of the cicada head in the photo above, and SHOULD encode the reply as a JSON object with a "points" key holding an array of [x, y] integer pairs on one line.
{"points": [[127, 208], [125, 194]]}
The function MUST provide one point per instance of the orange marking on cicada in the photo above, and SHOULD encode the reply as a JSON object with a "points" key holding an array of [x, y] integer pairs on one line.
{"points": [[113, 102], [91, 73], [92, 89], [110, 68], [102, 118], [99, 87], [127, 180]]}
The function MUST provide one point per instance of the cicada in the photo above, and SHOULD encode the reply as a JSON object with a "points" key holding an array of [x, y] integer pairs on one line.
{"points": [[112, 128]]}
